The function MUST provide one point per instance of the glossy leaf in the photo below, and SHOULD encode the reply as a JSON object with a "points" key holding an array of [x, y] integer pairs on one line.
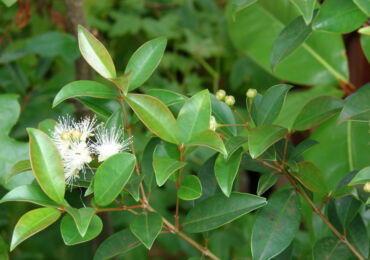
{"points": [[361, 177], [19, 167], [33, 222], [164, 168], [190, 188], [276, 225], [238, 5], [118, 243], [168, 97], [311, 177], [223, 115], [112, 176], [357, 105], [102, 107], [347, 208], [71, 235], [219, 210], [226, 171], [82, 218], [144, 61], [147, 163], [133, 186], [155, 116], [317, 111], [115, 120], [340, 16], [208, 139], [265, 182], [272, 101], [146, 228], [358, 236], [234, 143], [290, 38], [331, 249], [364, 6], [29, 193], [84, 88], [47, 165], [95, 53], [262, 137], [305, 8], [301, 148], [194, 116]]}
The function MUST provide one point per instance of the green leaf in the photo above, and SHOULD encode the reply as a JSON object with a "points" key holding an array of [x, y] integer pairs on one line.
{"points": [[194, 116], [365, 45], [364, 6], [311, 177], [305, 7], [234, 143], [9, 3], [29, 193], [276, 225], [272, 102], [224, 115], [147, 163], [262, 137], [330, 248], [84, 88], [95, 53], [358, 236], [155, 116], [82, 218], [209, 139], [102, 107], [238, 5], [112, 176], [361, 177], [290, 38], [226, 171], [168, 97], [71, 235], [115, 120], [219, 210], [357, 105], [146, 228], [190, 188], [318, 60], [301, 148], [164, 167], [19, 167], [47, 126], [145, 60], [47, 165], [133, 186], [340, 16], [347, 208], [118, 243], [265, 182], [316, 111], [33, 222]]}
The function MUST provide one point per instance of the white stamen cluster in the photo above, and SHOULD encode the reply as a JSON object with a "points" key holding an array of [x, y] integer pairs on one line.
{"points": [[75, 143]]}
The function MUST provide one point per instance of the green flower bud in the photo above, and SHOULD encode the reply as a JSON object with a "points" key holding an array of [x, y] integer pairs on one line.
{"points": [[229, 100], [220, 94], [367, 187], [212, 123], [251, 93]]}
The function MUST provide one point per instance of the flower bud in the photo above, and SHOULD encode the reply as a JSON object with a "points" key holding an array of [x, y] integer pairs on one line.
{"points": [[229, 100], [220, 94], [65, 135], [212, 123], [367, 187], [251, 93]]}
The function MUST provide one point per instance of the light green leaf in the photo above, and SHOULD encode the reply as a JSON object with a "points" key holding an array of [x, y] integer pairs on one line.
{"points": [[265, 182], [9, 3], [118, 243], [219, 210], [194, 116], [29, 193], [311, 177], [146, 228], [47, 165], [340, 16], [145, 60], [155, 115], [84, 88], [316, 111], [226, 171], [19, 167], [305, 7], [82, 218], [364, 6], [272, 101], [190, 188], [238, 5], [262, 137], [164, 168], [168, 97], [361, 177], [112, 176], [71, 235], [33, 222], [276, 225], [209, 139], [357, 105]]}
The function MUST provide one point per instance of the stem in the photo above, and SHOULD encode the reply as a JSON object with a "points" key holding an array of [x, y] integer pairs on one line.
{"points": [[178, 185], [119, 208]]}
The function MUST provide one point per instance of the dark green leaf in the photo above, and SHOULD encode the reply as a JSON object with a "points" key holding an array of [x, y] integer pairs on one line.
{"points": [[347, 208], [112, 176], [219, 210], [234, 143], [146, 228], [155, 116], [357, 105], [144, 61], [190, 188], [301, 148], [47, 165], [168, 97], [95, 53], [330, 248], [115, 120], [84, 88], [276, 225], [223, 115], [71, 235], [305, 7], [47, 126], [33, 222], [102, 107], [311, 177], [133, 186], [262, 137], [226, 171], [82, 218], [358, 236], [147, 163], [265, 182], [165, 167]]}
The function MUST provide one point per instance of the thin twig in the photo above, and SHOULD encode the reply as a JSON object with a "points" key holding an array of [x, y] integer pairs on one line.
{"points": [[178, 185]]}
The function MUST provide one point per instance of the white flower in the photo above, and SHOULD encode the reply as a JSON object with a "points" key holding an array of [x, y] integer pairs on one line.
{"points": [[62, 133], [108, 142]]}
